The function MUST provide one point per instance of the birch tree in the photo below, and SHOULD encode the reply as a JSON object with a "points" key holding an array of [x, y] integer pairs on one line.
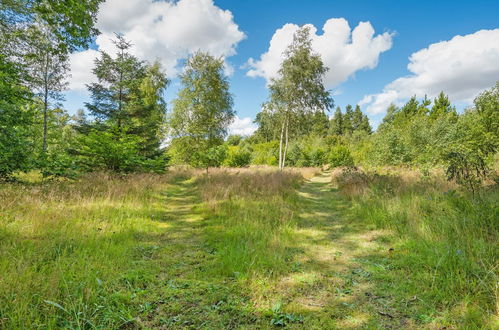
{"points": [[202, 111], [298, 88]]}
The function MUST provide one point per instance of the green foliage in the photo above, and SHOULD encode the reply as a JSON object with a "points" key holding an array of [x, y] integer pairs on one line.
{"points": [[299, 90], [468, 169], [268, 126], [211, 157], [35, 39], [487, 106], [336, 125], [352, 121], [237, 157], [340, 156], [309, 151], [415, 135], [234, 140], [202, 110], [72, 21], [265, 153], [114, 150], [15, 118], [129, 111], [129, 93]]}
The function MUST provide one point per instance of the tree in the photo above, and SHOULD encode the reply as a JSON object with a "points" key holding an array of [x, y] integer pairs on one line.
{"points": [[70, 24], [336, 125], [48, 69], [114, 150], [129, 113], [299, 87], [441, 106], [487, 105], [348, 120], [365, 125], [118, 80], [149, 111], [202, 111], [340, 156], [316, 123], [128, 95], [71, 21], [15, 120], [357, 117], [267, 125]]}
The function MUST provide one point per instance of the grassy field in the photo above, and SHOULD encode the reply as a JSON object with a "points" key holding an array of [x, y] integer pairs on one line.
{"points": [[249, 248]]}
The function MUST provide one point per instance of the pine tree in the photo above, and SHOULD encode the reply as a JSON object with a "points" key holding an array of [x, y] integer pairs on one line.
{"points": [[365, 125], [129, 112], [336, 125], [357, 117], [119, 79], [348, 120], [441, 106]]}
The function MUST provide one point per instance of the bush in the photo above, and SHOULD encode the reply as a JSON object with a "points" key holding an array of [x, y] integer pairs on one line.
{"points": [[212, 157], [237, 157], [115, 151], [340, 156], [266, 153]]}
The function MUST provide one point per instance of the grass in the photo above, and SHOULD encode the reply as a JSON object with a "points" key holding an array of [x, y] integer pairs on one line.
{"points": [[247, 248], [444, 244]]}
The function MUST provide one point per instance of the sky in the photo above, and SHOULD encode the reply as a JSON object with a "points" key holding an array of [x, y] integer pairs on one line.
{"points": [[377, 52]]}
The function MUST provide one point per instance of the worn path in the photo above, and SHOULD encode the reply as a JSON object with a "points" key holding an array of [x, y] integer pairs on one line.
{"points": [[335, 285], [330, 285]]}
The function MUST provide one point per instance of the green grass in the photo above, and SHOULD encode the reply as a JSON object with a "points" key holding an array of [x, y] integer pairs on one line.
{"points": [[250, 248], [444, 245]]}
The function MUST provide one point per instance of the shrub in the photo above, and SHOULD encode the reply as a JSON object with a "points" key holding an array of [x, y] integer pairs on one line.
{"points": [[340, 156], [115, 151], [266, 153], [212, 157], [237, 157]]}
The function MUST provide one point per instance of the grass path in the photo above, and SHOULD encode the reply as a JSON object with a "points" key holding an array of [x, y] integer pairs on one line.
{"points": [[236, 250], [334, 284], [330, 283]]}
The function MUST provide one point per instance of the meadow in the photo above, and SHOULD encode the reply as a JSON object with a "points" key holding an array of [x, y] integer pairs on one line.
{"points": [[249, 248]]}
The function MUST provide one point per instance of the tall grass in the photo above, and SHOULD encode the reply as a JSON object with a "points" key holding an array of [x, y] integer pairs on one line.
{"points": [[101, 252], [446, 239], [70, 252], [252, 216]]}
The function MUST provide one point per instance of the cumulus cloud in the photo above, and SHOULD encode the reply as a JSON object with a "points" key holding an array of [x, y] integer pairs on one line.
{"points": [[168, 31], [461, 67], [242, 126], [342, 49], [81, 69]]}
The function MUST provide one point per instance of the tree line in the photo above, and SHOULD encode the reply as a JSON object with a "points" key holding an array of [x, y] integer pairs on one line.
{"points": [[127, 127]]}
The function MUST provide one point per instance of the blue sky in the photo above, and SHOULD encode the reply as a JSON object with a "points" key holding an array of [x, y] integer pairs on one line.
{"points": [[410, 26]]}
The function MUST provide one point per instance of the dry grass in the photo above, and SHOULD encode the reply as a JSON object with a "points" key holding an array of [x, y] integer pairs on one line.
{"points": [[356, 181]]}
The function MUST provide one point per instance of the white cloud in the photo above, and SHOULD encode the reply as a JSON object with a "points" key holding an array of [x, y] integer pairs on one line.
{"points": [[343, 50], [242, 126], [461, 67], [168, 31], [81, 69], [378, 103]]}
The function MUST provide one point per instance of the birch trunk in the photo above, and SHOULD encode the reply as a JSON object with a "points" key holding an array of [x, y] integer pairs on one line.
{"points": [[280, 146], [286, 145]]}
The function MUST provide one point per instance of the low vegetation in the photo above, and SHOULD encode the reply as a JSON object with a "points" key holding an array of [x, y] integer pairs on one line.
{"points": [[248, 248]]}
